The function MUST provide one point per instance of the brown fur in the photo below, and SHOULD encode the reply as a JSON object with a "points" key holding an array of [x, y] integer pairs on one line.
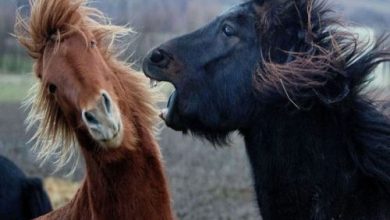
{"points": [[73, 48]]}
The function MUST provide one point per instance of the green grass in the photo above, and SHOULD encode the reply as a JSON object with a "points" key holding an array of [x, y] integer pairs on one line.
{"points": [[14, 88]]}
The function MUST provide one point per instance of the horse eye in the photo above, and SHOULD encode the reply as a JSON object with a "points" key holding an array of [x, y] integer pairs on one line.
{"points": [[228, 30], [52, 88]]}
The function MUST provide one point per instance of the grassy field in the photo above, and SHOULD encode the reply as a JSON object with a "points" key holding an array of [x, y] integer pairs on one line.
{"points": [[14, 88]]}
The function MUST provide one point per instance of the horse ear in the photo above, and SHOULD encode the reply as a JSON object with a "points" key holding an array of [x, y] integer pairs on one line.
{"points": [[274, 9], [271, 12]]}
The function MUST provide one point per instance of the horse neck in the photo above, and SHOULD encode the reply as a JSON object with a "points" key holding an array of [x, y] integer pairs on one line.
{"points": [[324, 159], [302, 145], [128, 183]]}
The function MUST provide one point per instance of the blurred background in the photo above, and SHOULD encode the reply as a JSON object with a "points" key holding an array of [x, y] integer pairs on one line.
{"points": [[206, 182]]}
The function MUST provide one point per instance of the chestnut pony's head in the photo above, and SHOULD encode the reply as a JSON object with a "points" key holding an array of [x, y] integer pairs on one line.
{"points": [[82, 94]]}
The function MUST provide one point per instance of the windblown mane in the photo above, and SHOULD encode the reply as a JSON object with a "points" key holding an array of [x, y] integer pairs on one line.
{"points": [[324, 53], [327, 65], [51, 21]]}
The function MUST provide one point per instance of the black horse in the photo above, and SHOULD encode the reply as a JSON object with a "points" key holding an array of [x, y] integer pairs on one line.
{"points": [[21, 198], [290, 78]]}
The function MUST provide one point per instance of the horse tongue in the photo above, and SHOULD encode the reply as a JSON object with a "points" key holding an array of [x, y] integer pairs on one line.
{"points": [[170, 114], [166, 113]]}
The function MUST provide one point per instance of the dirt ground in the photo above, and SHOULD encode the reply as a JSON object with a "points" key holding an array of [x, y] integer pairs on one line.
{"points": [[206, 182]]}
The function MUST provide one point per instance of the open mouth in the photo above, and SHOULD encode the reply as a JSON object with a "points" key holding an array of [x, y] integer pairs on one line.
{"points": [[166, 113], [157, 73], [170, 113]]}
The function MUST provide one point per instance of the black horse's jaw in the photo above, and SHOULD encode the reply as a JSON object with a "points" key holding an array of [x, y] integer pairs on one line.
{"points": [[170, 114]]}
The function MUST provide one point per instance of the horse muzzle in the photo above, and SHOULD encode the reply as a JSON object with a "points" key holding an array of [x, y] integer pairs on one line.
{"points": [[104, 122]]}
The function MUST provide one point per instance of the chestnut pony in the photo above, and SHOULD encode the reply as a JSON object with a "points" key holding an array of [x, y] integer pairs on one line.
{"points": [[87, 97]]}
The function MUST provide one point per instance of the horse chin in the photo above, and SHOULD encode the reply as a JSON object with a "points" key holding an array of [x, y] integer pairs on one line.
{"points": [[108, 139], [114, 142]]}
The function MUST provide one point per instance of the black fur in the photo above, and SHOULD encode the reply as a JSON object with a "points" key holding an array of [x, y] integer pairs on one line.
{"points": [[290, 79], [21, 198]]}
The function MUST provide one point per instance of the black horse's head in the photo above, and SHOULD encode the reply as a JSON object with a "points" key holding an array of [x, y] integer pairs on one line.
{"points": [[250, 57]]}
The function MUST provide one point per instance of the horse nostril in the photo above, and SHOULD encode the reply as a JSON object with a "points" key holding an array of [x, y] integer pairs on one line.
{"points": [[90, 118], [157, 56], [107, 103]]}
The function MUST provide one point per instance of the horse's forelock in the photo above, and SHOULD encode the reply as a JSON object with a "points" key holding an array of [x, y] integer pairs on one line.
{"points": [[47, 18], [55, 20]]}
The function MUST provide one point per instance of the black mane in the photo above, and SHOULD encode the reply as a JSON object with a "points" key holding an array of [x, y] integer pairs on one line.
{"points": [[315, 56], [328, 65], [371, 136]]}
